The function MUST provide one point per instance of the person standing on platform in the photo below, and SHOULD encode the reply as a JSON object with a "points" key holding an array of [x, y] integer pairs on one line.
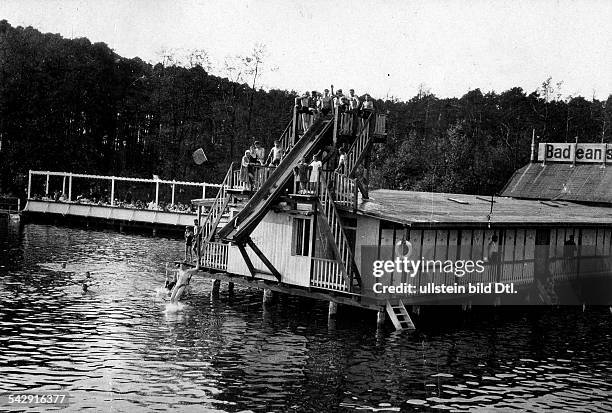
{"points": [[341, 169], [367, 108], [315, 171], [260, 153], [301, 173], [244, 170], [197, 237], [188, 243], [353, 101], [276, 154], [325, 103]]}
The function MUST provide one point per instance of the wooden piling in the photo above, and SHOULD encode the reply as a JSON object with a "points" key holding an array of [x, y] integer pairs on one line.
{"points": [[216, 286], [268, 296], [230, 288], [333, 309], [381, 316]]}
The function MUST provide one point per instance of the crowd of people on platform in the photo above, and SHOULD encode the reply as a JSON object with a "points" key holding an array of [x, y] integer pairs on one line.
{"points": [[308, 106], [102, 198], [255, 157], [313, 102]]}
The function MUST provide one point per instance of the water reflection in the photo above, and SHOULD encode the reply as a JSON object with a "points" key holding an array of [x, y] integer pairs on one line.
{"points": [[116, 348]]}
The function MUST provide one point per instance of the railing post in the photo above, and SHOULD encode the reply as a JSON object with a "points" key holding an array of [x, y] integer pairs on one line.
{"points": [[29, 184], [203, 191], [47, 186], [355, 194], [294, 126], [70, 187], [156, 194], [335, 134], [112, 200], [198, 238], [64, 185], [173, 189]]}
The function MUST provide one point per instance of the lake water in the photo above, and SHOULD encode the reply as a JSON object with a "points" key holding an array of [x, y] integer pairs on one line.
{"points": [[116, 348]]}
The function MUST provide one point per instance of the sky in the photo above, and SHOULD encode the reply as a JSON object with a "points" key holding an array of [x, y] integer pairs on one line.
{"points": [[385, 48]]}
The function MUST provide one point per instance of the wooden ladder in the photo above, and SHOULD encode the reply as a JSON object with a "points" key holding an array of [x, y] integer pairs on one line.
{"points": [[340, 243], [399, 316]]}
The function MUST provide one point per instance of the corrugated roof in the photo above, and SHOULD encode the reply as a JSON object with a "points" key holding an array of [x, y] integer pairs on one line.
{"points": [[458, 209], [562, 181]]}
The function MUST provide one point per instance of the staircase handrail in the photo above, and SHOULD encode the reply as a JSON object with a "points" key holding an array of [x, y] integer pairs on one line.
{"points": [[346, 257], [218, 206], [355, 152]]}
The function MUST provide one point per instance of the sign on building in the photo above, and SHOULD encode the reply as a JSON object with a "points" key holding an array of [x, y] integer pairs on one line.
{"points": [[575, 152]]}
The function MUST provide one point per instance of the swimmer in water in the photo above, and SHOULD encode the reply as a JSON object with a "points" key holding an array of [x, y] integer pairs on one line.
{"points": [[183, 277]]}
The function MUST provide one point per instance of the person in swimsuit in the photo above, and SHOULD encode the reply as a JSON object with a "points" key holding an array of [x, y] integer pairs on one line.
{"points": [[188, 242]]}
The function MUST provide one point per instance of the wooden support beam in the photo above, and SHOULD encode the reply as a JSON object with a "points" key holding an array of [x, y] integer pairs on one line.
{"points": [[363, 189], [263, 258], [366, 302], [246, 258], [29, 184]]}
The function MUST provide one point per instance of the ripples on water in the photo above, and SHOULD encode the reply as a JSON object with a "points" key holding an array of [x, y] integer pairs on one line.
{"points": [[115, 348]]}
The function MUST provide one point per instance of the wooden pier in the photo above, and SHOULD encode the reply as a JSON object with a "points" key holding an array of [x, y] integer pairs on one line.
{"points": [[55, 197]]}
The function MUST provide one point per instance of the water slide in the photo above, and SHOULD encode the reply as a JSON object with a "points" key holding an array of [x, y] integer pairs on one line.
{"points": [[257, 207]]}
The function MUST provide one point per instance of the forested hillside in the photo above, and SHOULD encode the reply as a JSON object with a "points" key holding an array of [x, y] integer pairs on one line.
{"points": [[70, 105]]}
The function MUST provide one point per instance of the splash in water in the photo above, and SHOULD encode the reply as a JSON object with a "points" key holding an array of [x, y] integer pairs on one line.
{"points": [[161, 292], [174, 308]]}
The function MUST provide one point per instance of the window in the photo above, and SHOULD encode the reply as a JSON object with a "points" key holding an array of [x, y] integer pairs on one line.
{"points": [[301, 237]]}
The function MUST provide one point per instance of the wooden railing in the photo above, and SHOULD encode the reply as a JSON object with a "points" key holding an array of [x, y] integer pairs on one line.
{"points": [[215, 256], [358, 148], [286, 138], [326, 274], [381, 124], [216, 209], [303, 122], [10, 205], [261, 173], [345, 191], [347, 122], [343, 249], [236, 182]]}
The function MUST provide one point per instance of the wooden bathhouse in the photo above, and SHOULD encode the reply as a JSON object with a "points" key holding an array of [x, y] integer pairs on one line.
{"points": [[551, 225]]}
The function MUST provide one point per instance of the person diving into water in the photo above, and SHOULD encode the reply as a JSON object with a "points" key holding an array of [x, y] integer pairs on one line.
{"points": [[181, 282]]}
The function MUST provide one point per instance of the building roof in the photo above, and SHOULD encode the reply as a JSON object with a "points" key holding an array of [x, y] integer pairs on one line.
{"points": [[442, 209], [562, 181]]}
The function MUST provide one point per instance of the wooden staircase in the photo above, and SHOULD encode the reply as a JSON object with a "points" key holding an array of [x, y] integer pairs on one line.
{"points": [[217, 209], [399, 316], [358, 149], [338, 240]]}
